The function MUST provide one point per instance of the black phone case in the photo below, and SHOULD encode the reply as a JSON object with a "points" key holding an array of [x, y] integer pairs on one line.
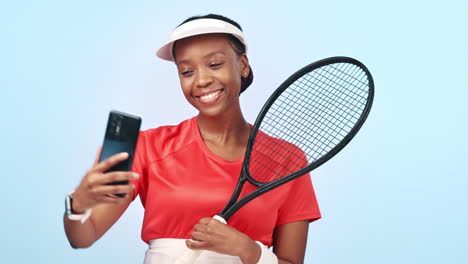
{"points": [[121, 136]]}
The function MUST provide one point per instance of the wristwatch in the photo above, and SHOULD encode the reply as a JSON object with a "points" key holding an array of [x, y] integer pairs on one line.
{"points": [[69, 210]]}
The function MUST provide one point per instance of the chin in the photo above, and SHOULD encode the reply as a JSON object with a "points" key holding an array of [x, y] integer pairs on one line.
{"points": [[212, 113]]}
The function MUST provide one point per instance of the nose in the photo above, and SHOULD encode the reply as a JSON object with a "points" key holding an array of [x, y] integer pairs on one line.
{"points": [[203, 79]]}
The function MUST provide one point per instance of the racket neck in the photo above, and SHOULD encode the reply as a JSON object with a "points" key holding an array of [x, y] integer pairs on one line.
{"points": [[235, 195], [230, 210]]}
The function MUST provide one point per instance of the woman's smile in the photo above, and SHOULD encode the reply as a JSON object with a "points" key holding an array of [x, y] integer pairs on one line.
{"points": [[210, 97]]}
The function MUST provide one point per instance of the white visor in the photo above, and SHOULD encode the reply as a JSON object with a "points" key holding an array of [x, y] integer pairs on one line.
{"points": [[198, 27]]}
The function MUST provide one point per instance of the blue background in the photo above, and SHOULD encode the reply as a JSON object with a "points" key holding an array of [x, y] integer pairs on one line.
{"points": [[396, 194]]}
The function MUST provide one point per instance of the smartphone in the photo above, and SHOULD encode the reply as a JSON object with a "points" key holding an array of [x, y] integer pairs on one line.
{"points": [[121, 136]]}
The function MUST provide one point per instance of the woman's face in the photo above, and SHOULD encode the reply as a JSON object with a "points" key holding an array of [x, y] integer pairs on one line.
{"points": [[210, 73]]}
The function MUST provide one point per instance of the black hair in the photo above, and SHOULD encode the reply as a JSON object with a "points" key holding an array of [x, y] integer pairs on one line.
{"points": [[237, 45]]}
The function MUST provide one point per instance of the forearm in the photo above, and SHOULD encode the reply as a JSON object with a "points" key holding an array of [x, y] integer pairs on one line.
{"points": [[80, 235], [282, 261]]}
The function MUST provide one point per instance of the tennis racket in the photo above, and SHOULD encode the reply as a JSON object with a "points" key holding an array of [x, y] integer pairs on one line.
{"points": [[305, 122]]}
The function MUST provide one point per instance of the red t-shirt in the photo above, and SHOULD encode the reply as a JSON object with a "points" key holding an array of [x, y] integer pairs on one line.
{"points": [[181, 181]]}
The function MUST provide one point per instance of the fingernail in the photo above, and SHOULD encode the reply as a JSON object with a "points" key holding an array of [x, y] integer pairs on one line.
{"points": [[135, 176], [123, 154]]}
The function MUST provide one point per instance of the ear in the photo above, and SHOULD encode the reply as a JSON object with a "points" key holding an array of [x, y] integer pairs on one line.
{"points": [[245, 68]]}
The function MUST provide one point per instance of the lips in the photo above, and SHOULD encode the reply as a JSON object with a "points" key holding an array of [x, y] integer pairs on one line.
{"points": [[210, 96]]}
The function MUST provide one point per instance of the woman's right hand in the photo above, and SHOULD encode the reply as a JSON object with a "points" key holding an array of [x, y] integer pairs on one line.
{"points": [[95, 189]]}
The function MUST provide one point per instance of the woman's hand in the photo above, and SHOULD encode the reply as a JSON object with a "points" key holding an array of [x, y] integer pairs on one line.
{"points": [[94, 188], [211, 234]]}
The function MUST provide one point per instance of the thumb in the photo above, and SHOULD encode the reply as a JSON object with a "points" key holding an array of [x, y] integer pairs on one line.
{"points": [[98, 155]]}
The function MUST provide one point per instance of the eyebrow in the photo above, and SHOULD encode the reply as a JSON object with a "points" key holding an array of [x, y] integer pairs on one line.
{"points": [[204, 57]]}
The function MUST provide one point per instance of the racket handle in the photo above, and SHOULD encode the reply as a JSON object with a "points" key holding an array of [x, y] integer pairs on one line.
{"points": [[191, 255]]}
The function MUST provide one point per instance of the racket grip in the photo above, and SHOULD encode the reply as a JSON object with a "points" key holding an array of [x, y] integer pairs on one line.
{"points": [[191, 255]]}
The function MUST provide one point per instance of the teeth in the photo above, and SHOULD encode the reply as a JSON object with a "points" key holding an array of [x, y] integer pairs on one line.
{"points": [[209, 96]]}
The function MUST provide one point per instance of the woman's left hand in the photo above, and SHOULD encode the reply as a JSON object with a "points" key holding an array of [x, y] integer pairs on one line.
{"points": [[211, 234]]}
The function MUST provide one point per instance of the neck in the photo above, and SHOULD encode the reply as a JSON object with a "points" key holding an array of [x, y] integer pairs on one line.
{"points": [[224, 129]]}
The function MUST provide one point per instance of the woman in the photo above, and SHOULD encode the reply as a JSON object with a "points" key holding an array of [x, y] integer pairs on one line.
{"points": [[185, 174]]}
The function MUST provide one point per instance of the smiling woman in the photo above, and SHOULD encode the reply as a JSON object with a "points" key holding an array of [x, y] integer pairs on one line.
{"points": [[210, 74], [184, 174]]}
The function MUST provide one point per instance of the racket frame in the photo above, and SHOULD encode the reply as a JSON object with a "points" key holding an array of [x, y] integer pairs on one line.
{"points": [[234, 204]]}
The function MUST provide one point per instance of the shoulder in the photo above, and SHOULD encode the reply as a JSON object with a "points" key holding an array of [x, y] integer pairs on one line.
{"points": [[162, 141]]}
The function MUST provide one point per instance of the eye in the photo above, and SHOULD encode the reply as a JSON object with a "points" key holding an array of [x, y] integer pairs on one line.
{"points": [[186, 73], [215, 65]]}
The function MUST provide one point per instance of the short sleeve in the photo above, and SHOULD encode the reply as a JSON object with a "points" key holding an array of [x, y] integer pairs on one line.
{"points": [[139, 166], [300, 202]]}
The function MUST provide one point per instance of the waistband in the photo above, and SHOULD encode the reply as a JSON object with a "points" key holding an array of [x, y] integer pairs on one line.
{"points": [[167, 250], [166, 243]]}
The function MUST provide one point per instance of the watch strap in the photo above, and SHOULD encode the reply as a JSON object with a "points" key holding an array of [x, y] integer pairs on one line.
{"points": [[69, 210]]}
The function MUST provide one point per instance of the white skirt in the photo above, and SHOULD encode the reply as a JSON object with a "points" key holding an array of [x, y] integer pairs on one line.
{"points": [[167, 250]]}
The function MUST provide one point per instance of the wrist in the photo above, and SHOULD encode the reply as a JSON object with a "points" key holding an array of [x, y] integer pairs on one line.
{"points": [[73, 215], [76, 205], [266, 256], [251, 253]]}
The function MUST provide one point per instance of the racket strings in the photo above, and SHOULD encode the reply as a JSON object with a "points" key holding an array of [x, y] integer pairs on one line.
{"points": [[325, 104], [344, 119], [308, 119], [343, 123], [308, 124], [346, 93]]}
